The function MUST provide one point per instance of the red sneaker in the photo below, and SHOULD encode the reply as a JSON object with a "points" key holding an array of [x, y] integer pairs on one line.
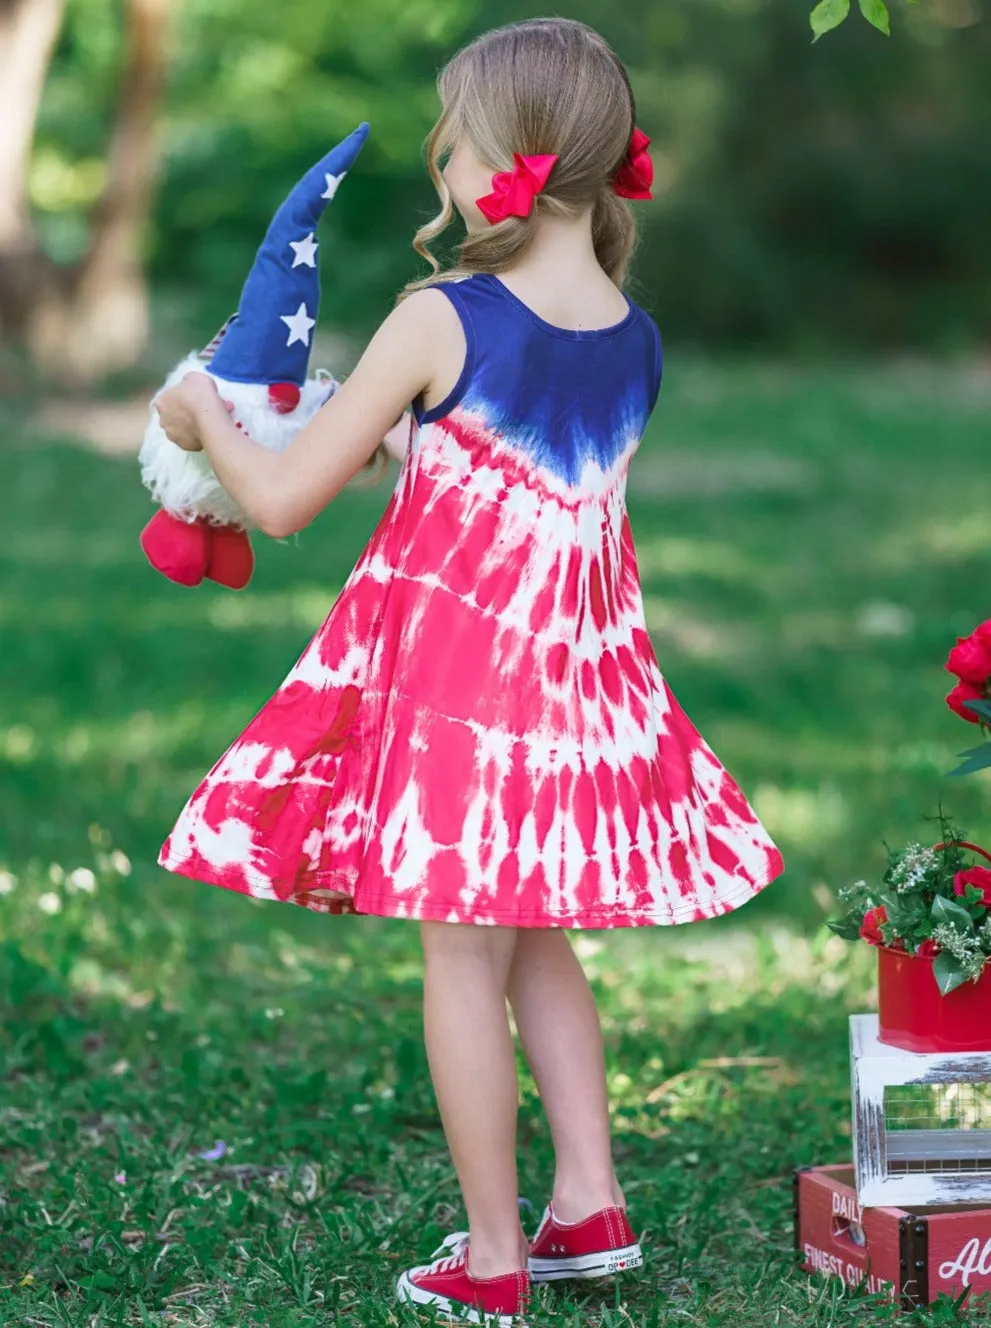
{"points": [[600, 1246], [449, 1287]]}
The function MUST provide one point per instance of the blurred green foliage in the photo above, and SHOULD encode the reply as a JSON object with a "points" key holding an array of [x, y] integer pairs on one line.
{"points": [[833, 195]]}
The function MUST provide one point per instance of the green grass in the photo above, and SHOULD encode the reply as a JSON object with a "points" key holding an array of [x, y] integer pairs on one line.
{"points": [[810, 545]]}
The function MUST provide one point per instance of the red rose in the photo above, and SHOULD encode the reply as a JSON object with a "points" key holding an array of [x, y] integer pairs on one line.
{"points": [[928, 949], [979, 876], [870, 928], [970, 658], [965, 691]]}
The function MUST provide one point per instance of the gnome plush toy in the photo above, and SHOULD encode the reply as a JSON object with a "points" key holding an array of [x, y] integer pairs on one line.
{"points": [[259, 361]]}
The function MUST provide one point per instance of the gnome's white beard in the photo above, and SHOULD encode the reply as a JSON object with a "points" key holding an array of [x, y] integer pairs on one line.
{"points": [[184, 482]]}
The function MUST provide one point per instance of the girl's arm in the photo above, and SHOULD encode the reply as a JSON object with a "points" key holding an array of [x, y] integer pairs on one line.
{"points": [[418, 349], [396, 441]]}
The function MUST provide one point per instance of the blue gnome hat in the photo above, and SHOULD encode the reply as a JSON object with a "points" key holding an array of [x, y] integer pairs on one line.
{"points": [[268, 339]]}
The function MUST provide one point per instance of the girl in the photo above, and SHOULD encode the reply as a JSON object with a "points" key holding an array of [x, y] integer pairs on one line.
{"points": [[478, 737]]}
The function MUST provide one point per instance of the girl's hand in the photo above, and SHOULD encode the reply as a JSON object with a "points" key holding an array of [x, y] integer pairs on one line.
{"points": [[182, 408]]}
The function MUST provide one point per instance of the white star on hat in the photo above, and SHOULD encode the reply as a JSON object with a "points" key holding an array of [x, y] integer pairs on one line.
{"points": [[332, 183], [299, 325], [304, 251]]}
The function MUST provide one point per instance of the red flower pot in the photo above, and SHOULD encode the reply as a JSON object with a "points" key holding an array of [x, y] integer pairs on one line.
{"points": [[914, 1016]]}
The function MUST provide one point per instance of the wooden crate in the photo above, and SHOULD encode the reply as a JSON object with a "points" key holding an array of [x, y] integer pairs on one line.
{"points": [[910, 1255], [935, 1149]]}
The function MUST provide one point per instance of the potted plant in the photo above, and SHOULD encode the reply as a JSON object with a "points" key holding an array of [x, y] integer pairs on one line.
{"points": [[930, 921], [930, 916]]}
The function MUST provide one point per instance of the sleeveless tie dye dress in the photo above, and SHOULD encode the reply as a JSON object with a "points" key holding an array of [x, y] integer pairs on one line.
{"points": [[479, 732]]}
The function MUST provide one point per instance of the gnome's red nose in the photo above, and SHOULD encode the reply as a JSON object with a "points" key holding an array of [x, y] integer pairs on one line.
{"points": [[283, 397]]}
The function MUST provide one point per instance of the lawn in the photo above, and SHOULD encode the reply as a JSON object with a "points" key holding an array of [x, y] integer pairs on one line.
{"points": [[811, 542]]}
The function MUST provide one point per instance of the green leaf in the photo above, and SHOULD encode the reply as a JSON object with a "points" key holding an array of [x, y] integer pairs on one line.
{"points": [[955, 915], [982, 749], [828, 14], [980, 707], [948, 972], [973, 900], [876, 12], [848, 927], [978, 758], [895, 909], [918, 918]]}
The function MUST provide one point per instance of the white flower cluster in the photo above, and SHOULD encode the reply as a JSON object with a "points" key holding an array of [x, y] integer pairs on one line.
{"points": [[967, 949], [913, 868], [984, 932], [855, 891]]}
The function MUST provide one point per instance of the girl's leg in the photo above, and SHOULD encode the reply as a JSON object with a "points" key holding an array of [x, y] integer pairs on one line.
{"points": [[559, 1026], [473, 1066]]}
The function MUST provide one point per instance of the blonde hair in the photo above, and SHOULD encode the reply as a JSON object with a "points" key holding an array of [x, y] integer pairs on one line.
{"points": [[549, 85]]}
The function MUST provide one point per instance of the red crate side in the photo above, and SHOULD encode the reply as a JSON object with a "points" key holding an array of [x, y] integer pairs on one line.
{"points": [[838, 1237], [960, 1252]]}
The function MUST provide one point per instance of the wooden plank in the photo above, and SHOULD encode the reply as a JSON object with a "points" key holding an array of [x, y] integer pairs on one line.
{"points": [[863, 1034], [948, 1070], [919, 1189], [864, 1042], [869, 1145], [938, 1146]]}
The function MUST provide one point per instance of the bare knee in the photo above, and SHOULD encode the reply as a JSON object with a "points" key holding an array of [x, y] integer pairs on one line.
{"points": [[540, 941], [542, 947], [458, 942]]}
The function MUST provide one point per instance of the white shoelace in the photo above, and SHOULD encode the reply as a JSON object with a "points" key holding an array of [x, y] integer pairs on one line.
{"points": [[445, 1261]]}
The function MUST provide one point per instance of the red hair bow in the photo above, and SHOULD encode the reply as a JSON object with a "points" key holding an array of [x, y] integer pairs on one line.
{"points": [[513, 191], [636, 175]]}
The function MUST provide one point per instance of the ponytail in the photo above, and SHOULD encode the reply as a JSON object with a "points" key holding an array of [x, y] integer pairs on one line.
{"points": [[614, 234]]}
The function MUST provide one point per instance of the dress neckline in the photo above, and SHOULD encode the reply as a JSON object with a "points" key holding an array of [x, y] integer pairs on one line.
{"points": [[569, 334]]}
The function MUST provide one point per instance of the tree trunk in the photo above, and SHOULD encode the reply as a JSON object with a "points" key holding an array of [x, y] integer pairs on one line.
{"points": [[28, 32], [99, 322]]}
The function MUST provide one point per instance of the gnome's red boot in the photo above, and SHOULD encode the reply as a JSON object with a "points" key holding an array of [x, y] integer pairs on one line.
{"points": [[178, 549], [188, 551], [232, 559]]}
